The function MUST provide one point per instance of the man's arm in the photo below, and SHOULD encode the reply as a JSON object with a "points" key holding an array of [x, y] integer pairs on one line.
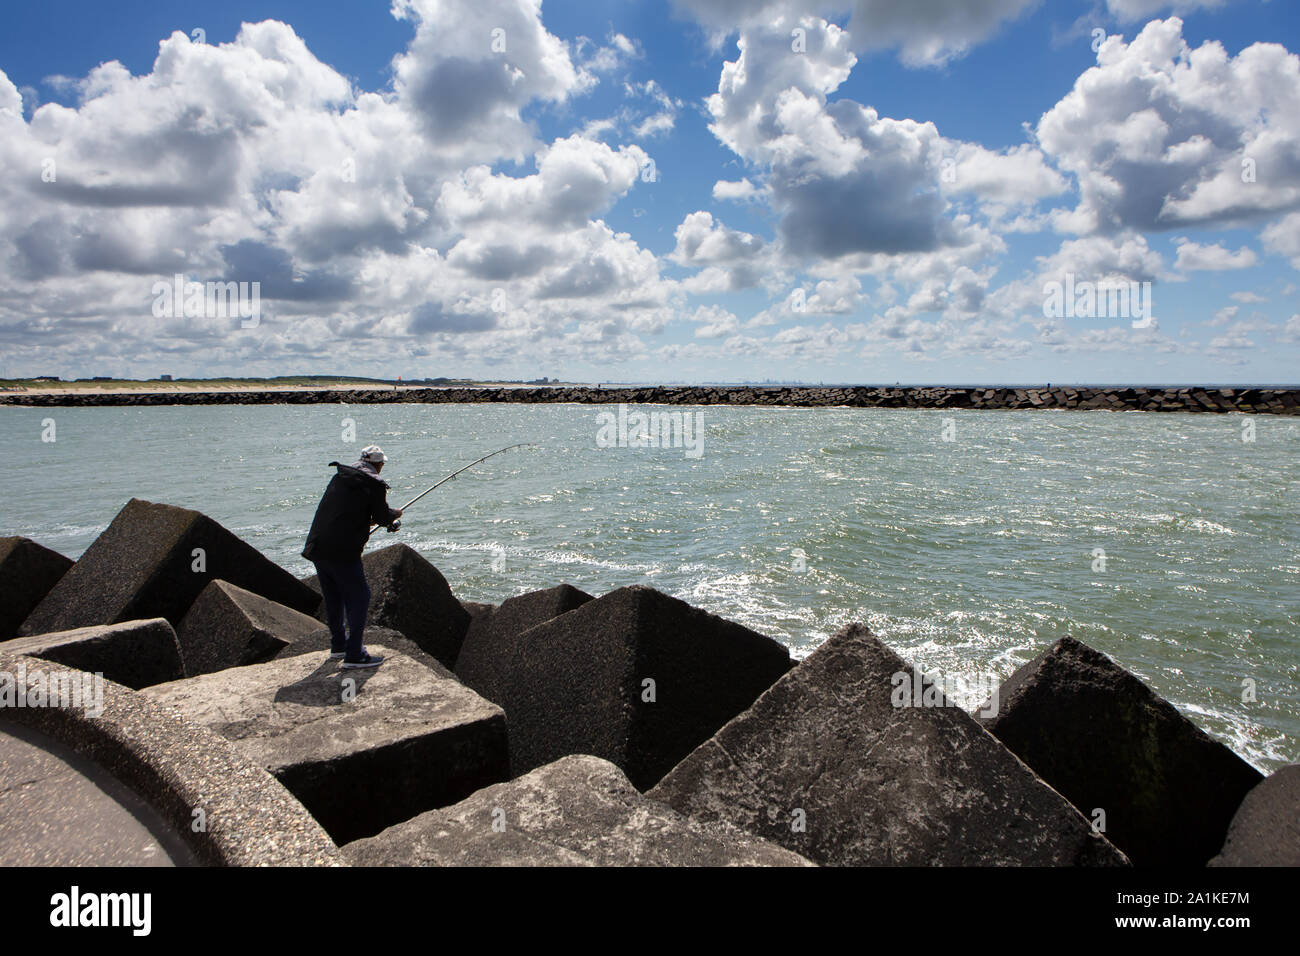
{"points": [[380, 513]]}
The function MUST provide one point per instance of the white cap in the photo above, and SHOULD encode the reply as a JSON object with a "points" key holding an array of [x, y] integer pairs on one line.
{"points": [[373, 454]]}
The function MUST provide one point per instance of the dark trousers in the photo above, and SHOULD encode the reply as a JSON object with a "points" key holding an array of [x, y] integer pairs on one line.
{"points": [[347, 599]]}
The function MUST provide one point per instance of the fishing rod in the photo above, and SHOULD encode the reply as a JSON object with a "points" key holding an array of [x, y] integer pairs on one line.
{"points": [[442, 481]]}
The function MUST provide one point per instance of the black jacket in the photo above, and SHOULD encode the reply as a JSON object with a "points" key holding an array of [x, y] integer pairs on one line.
{"points": [[353, 501]]}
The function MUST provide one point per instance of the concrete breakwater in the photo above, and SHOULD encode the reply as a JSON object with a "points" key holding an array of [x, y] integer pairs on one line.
{"points": [[563, 728], [1255, 401]]}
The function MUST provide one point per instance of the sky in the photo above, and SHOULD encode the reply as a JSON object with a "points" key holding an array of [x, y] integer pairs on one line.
{"points": [[865, 191]]}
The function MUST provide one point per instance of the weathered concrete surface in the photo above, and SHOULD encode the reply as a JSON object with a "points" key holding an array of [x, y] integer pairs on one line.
{"points": [[1105, 740], [27, 573], [227, 626], [578, 811], [873, 783], [318, 642], [502, 625], [361, 749], [183, 771], [143, 566], [1266, 828], [59, 809], [577, 683], [134, 653], [410, 595]]}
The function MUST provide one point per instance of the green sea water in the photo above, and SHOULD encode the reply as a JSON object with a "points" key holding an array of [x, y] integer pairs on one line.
{"points": [[968, 540]]}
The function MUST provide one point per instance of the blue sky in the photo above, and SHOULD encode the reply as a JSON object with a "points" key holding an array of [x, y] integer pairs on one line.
{"points": [[702, 190]]}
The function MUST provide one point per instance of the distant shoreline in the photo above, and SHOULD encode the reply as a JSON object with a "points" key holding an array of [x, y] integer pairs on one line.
{"points": [[1261, 401]]}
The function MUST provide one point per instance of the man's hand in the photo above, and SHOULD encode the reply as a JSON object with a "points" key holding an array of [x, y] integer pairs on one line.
{"points": [[397, 512]]}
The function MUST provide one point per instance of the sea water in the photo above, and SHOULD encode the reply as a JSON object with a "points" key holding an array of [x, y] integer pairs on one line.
{"points": [[967, 540]]}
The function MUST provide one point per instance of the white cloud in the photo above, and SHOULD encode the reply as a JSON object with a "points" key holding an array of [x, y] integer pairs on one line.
{"points": [[926, 34], [1234, 339], [703, 243], [1096, 259], [576, 179], [1193, 257], [1017, 176], [744, 109], [736, 191], [1118, 338], [617, 52], [715, 322], [1160, 135], [473, 66], [1125, 257], [843, 179], [1131, 10], [663, 116], [371, 219], [429, 223], [648, 112], [1283, 238]]}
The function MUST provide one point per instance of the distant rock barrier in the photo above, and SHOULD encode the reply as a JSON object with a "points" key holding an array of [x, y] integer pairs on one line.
{"points": [[1187, 398]]}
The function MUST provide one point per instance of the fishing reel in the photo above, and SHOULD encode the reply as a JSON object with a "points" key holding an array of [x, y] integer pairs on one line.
{"points": [[395, 526]]}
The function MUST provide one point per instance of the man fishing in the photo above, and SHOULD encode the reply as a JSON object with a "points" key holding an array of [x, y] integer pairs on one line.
{"points": [[355, 501]]}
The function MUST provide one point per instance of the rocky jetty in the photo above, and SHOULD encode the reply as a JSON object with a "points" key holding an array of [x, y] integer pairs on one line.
{"points": [[153, 560], [228, 810], [494, 626], [134, 653], [1184, 398], [1163, 789], [578, 811], [635, 676], [227, 626], [27, 573], [1265, 831], [362, 750], [620, 729], [827, 764]]}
